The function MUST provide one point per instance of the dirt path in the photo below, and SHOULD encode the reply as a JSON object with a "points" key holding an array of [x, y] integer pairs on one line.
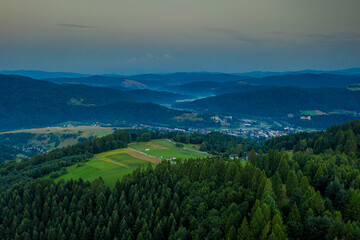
{"points": [[109, 161], [144, 156]]}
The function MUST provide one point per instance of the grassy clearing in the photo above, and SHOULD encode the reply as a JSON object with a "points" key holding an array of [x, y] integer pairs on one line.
{"points": [[111, 166], [312, 112], [63, 136], [166, 149], [339, 111], [99, 131]]}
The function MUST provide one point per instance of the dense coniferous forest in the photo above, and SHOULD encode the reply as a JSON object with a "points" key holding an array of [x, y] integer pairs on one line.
{"points": [[55, 162], [216, 142], [310, 192], [338, 138]]}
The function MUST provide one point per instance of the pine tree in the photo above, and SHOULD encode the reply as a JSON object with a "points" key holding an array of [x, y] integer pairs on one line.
{"points": [[283, 167], [244, 232], [294, 214], [231, 234], [291, 183]]}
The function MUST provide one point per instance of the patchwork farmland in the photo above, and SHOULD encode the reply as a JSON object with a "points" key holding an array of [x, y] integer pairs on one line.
{"points": [[113, 165]]}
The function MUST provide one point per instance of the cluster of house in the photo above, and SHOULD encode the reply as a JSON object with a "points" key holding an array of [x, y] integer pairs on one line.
{"points": [[250, 130], [236, 156]]}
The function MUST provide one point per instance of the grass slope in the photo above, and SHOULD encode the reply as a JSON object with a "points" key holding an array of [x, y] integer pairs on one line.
{"points": [[113, 165], [110, 166], [167, 149], [47, 137]]}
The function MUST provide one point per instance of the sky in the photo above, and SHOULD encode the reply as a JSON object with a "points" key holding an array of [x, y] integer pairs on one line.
{"points": [[161, 36]]}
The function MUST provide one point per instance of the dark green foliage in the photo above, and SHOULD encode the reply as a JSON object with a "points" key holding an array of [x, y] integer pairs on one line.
{"points": [[7, 153], [216, 142], [145, 137], [343, 138], [150, 204], [273, 196], [9, 140], [56, 160], [15, 138]]}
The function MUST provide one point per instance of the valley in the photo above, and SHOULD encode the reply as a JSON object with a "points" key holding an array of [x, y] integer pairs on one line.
{"points": [[236, 145], [180, 120], [246, 140]]}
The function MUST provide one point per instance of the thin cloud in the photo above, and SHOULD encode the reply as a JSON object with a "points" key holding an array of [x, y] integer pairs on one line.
{"points": [[75, 25], [168, 57], [148, 57], [233, 34], [347, 36]]}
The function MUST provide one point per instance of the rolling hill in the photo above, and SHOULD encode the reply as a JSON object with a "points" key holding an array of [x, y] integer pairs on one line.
{"points": [[188, 77], [278, 102], [241, 89], [307, 80], [150, 81], [25, 102], [304, 80], [204, 88], [108, 81], [208, 88], [43, 74], [159, 97], [261, 74]]}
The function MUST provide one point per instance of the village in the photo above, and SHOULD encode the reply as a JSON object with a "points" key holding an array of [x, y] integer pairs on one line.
{"points": [[249, 129]]}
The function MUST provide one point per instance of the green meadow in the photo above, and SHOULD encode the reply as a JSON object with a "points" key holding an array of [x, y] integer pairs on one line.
{"points": [[113, 165], [110, 166], [166, 149]]}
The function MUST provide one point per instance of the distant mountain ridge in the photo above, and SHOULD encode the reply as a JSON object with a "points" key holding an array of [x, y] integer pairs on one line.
{"points": [[308, 80], [26, 102], [195, 76], [305, 80], [261, 74], [43, 74], [278, 102], [107, 81], [207, 84]]}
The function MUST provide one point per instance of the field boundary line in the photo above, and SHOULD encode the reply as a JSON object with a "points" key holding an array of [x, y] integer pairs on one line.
{"points": [[143, 153], [113, 162]]}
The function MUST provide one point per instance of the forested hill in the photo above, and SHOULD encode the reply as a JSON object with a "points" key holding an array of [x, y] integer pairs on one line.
{"points": [[342, 138], [159, 97], [26, 102], [23, 89], [273, 196], [277, 102], [308, 80]]}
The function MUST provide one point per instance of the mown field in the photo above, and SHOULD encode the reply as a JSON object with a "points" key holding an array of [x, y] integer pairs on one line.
{"points": [[110, 166], [113, 165], [312, 112], [167, 149], [62, 136]]}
